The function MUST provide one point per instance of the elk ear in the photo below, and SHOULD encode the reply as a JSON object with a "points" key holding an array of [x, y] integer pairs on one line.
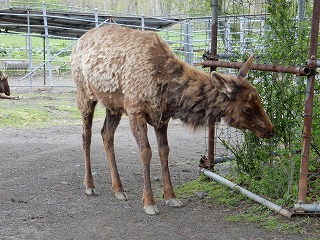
{"points": [[224, 83]]}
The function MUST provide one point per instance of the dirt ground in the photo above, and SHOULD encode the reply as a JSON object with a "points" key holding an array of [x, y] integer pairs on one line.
{"points": [[42, 194]]}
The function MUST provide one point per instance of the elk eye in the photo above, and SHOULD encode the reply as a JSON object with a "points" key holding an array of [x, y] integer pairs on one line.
{"points": [[248, 110]]}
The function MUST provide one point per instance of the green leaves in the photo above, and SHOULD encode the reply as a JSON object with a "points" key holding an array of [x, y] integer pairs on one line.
{"points": [[272, 167]]}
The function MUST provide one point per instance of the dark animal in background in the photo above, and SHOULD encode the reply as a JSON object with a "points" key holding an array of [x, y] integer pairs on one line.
{"points": [[4, 86], [135, 72]]}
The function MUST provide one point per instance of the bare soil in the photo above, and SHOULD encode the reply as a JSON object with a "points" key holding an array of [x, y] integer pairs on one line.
{"points": [[42, 193]]}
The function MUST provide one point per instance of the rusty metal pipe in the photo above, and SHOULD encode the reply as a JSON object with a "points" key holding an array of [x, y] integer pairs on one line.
{"points": [[214, 44], [308, 107], [299, 70]]}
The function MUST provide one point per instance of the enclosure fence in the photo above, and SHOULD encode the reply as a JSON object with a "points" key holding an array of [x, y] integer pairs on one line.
{"points": [[236, 29], [306, 191]]}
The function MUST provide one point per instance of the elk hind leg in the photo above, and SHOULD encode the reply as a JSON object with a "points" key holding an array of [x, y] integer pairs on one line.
{"points": [[86, 107], [109, 127]]}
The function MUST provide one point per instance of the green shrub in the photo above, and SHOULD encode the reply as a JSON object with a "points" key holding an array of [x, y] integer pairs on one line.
{"points": [[271, 167]]}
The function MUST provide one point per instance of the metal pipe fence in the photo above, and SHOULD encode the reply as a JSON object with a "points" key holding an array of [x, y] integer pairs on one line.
{"points": [[200, 41], [309, 69], [190, 38]]}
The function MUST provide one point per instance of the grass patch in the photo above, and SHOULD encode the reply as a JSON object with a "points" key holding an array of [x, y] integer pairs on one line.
{"points": [[41, 110], [245, 210], [214, 192]]}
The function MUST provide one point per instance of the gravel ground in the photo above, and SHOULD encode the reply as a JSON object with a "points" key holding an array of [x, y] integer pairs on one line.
{"points": [[42, 195]]}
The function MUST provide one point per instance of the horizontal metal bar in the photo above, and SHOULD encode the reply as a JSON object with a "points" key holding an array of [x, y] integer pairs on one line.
{"points": [[299, 70], [310, 208]]}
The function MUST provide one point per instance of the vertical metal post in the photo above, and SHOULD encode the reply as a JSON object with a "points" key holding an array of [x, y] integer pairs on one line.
{"points": [[181, 38], [301, 9], [96, 17], [301, 13], [142, 22], [242, 35], [188, 42], [44, 61], [227, 36], [185, 41], [214, 37], [308, 103], [29, 47], [46, 32]]}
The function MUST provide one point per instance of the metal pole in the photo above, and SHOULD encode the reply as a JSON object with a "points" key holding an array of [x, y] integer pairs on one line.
{"points": [[301, 14], [299, 70], [44, 61], [188, 41], [227, 36], [214, 37], [308, 103], [247, 193], [46, 32], [310, 208], [29, 47], [142, 22], [243, 24], [96, 17], [301, 9]]}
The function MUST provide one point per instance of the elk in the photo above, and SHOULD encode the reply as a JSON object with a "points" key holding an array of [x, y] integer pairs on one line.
{"points": [[4, 87], [135, 72]]}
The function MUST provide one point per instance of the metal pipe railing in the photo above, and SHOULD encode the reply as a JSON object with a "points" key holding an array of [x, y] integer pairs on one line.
{"points": [[308, 108], [306, 208], [214, 49], [247, 193], [299, 70]]}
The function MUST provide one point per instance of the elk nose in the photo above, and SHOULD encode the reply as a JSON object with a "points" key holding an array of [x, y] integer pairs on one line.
{"points": [[272, 132]]}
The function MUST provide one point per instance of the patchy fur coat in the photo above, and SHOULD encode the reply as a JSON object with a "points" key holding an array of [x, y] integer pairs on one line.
{"points": [[135, 72]]}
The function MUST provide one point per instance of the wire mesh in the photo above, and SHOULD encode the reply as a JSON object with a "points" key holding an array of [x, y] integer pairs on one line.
{"points": [[243, 27], [281, 36]]}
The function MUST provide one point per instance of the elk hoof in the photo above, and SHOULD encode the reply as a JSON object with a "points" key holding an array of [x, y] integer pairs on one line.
{"points": [[173, 202], [151, 210], [90, 192], [122, 196]]}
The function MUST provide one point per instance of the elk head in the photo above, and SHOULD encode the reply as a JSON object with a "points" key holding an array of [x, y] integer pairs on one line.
{"points": [[242, 107], [4, 85]]}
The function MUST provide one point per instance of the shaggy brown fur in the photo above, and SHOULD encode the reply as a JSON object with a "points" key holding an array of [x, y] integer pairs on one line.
{"points": [[136, 73], [4, 86]]}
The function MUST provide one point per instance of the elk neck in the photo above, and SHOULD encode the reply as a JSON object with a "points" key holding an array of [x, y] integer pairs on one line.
{"points": [[192, 98]]}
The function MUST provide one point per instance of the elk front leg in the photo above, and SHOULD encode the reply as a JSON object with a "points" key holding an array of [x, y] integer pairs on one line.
{"points": [[139, 129], [163, 147], [109, 127], [87, 110]]}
